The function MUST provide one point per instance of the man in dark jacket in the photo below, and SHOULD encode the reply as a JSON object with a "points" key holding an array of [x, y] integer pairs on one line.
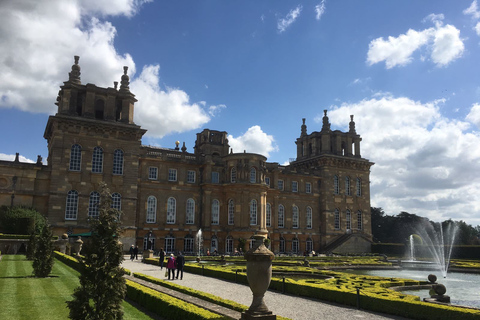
{"points": [[180, 261], [162, 258]]}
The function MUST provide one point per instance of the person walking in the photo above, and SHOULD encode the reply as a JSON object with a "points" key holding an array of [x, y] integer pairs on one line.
{"points": [[180, 262], [162, 258], [171, 266], [132, 255], [135, 252]]}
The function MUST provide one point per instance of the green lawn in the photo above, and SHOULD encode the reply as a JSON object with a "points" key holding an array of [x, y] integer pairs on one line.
{"points": [[26, 297]]}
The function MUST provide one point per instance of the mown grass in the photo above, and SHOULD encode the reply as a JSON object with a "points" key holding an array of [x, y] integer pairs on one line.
{"points": [[26, 297]]}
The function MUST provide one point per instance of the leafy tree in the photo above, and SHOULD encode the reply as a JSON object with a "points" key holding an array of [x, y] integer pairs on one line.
{"points": [[102, 286], [32, 244], [20, 220], [43, 253]]}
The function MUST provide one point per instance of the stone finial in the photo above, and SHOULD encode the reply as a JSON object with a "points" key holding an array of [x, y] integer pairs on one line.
{"points": [[115, 84], [17, 157], [352, 125], [326, 123], [74, 75], [39, 160], [183, 147], [304, 127], [124, 84]]}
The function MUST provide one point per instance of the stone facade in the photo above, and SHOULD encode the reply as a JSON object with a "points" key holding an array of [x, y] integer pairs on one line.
{"points": [[320, 201]]}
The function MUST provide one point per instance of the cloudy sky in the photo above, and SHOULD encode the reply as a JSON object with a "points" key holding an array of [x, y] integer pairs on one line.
{"points": [[408, 70]]}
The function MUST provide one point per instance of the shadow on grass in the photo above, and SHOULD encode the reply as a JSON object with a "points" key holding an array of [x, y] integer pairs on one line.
{"points": [[29, 277]]}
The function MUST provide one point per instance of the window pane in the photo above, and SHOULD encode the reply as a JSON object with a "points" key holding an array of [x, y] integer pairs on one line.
{"points": [[172, 174], [191, 176], [280, 184], [97, 160], [269, 215], [294, 186], [93, 204], [233, 175], [349, 220], [151, 209], [231, 212], [337, 220], [71, 207], [281, 216], [359, 220], [295, 217], [215, 211], [308, 187], [309, 218], [171, 210], [190, 215], [359, 187], [336, 186], [153, 173], [75, 157], [347, 186], [215, 177], [253, 212], [118, 162], [116, 201], [253, 175]]}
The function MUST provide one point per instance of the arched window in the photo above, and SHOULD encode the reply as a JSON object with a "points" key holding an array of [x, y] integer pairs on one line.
{"points": [[71, 208], [118, 162], [309, 218], [347, 186], [336, 222], [170, 243], [268, 217], [116, 201], [309, 245], [295, 217], [151, 209], [281, 216], [190, 213], [282, 245], [215, 211], [295, 247], [214, 244], [359, 187], [229, 245], [349, 220], [75, 157], [233, 175], [359, 220], [251, 242], [336, 185], [97, 160], [253, 212], [231, 212], [93, 204], [188, 243], [253, 175], [171, 210]]}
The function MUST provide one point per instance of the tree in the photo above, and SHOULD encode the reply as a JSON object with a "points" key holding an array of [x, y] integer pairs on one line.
{"points": [[32, 245], [43, 253], [102, 286]]}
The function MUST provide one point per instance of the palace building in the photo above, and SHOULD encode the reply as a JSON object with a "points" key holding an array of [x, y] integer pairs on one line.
{"points": [[320, 201]]}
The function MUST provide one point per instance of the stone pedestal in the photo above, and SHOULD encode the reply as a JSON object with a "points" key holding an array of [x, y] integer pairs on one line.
{"points": [[147, 254], [259, 273]]}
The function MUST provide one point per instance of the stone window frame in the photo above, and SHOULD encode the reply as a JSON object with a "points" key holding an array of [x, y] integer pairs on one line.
{"points": [[281, 216], [267, 181], [71, 207], [294, 186], [282, 245], [75, 158], [336, 185], [152, 173], [171, 210], [118, 162], [348, 190], [295, 217], [308, 187], [309, 245], [280, 184], [359, 220], [229, 245], [116, 201], [93, 202], [358, 187], [309, 216], [151, 210], [268, 215], [169, 244], [231, 212], [97, 160], [172, 174], [253, 175], [336, 219], [253, 212], [190, 212], [191, 176], [233, 175], [295, 245], [348, 220], [215, 210], [188, 244], [215, 177]]}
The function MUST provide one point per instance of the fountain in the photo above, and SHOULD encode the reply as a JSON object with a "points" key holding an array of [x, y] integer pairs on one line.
{"points": [[199, 240], [439, 244]]}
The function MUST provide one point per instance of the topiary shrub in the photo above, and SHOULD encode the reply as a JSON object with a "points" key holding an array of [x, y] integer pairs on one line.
{"points": [[43, 253]]}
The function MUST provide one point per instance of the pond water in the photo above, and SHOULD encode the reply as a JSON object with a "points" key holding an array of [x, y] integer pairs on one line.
{"points": [[463, 288]]}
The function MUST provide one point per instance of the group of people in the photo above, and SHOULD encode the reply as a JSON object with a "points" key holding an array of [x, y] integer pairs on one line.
{"points": [[133, 253], [172, 264]]}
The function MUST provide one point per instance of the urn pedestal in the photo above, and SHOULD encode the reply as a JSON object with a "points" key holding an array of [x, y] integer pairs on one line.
{"points": [[77, 245], [147, 254], [259, 273]]}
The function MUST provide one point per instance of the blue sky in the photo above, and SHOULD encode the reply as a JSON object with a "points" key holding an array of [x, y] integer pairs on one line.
{"points": [[407, 70]]}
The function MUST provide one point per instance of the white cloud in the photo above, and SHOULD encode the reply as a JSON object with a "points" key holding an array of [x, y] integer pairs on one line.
{"points": [[473, 10], [443, 42], [320, 10], [11, 157], [253, 141], [424, 161], [284, 23], [214, 110], [164, 111], [474, 115], [477, 28], [39, 40]]}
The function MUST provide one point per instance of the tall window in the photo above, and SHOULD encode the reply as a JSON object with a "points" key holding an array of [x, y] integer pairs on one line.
{"points": [[215, 177], [309, 245], [295, 217], [347, 186], [116, 201], [309, 218], [75, 157], [153, 173], [253, 175], [118, 162], [294, 186], [282, 245], [169, 244], [171, 210], [336, 222], [190, 214], [280, 184], [214, 244], [151, 209], [188, 243], [281, 216], [71, 207], [359, 220], [336, 185], [251, 242], [215, 211], [191, 176], [295, 248], [93, 204], [97, 160], [349, 220], [268, 217], [229, 245], [231, 212], [359, 187], [233, 175], [267, 181], [172, 174], [253, 212], [308, 187]]}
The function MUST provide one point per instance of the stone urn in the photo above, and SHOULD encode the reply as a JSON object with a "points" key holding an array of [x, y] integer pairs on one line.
{"points": [[77, 245], [62, 243], [259, 273]]}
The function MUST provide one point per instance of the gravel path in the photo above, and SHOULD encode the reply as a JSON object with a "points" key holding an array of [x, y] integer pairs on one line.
{"points": [[285, 305]]}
